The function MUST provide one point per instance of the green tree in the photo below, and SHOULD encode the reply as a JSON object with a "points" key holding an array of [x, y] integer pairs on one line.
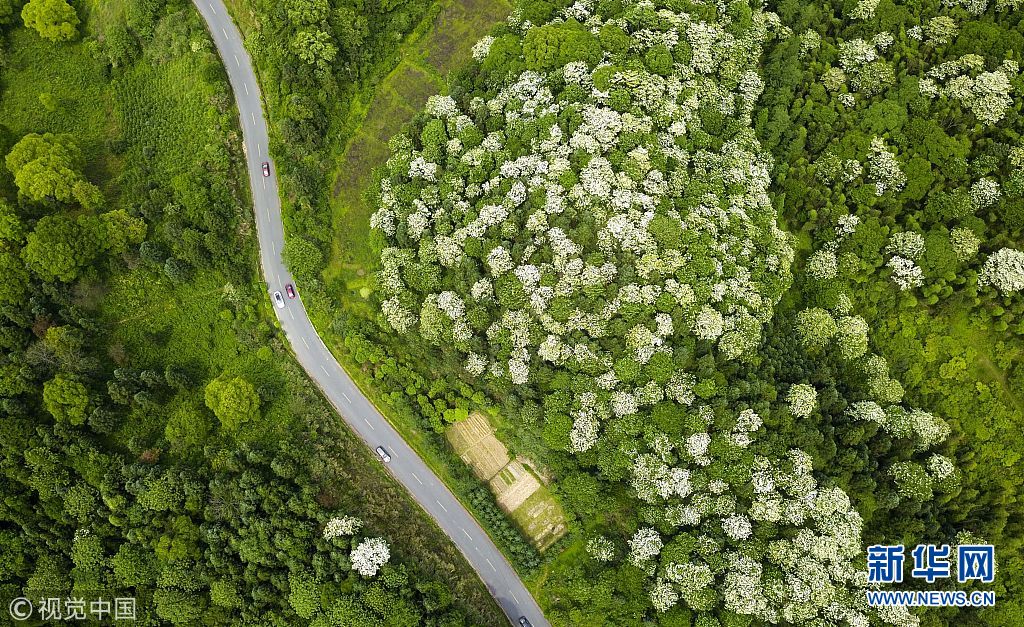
{"points": [[14, 285], [8, 10], [303, 258], [66, 399], [121, 231], [177, 606], [12, 233], [315, 47], [62, 246], [233, 400], [304, 594], [87, 554], [49, 167], [133, 565], [581, 491], [187, 428], [815, 327], [55, 20], [553, 45], [225, 594]]}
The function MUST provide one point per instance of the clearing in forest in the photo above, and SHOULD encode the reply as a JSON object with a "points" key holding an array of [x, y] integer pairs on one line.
{"points": [[475, 443], [430, 54], [518, 490]]}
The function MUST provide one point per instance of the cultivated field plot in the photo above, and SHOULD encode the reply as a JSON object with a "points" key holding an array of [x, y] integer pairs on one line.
{"points": [[541, 517], [474, 441], [513, 486], [518, 490]]}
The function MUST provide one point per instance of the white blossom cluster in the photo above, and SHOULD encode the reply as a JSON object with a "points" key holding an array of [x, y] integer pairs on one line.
{"points": [[342, 526], [909, 244], [802, 399], [861, 67], [1004, 270], [984, 193], [883, 169], [985, 93], [809, 570], [545, 229], [864, 9], [977, 7], [906, 248], [644, 545], [601, 548], [369, 556], [925, 429], [905, 273]]}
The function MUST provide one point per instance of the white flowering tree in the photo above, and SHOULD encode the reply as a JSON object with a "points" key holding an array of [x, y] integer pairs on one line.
{"points": [[802, 399], [369, 555], [341, 526], [1004, 270]]}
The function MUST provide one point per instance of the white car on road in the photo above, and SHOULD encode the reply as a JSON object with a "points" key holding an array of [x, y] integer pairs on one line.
{"points": [[279, 300]]}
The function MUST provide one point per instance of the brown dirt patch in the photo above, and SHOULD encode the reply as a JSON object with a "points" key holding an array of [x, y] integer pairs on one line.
{"points": [[474, 441]]}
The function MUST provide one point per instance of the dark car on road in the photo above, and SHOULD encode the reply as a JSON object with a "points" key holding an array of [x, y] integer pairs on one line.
{"points": [[266, 168], [524, 622], [290, 290]]}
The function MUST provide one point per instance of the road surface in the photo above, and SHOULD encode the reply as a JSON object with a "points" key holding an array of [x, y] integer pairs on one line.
{"points": [[406, 466]]}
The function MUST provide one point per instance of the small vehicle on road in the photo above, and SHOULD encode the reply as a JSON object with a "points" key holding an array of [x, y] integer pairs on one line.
{"points": [[266, 168], [524, 622], [279, 300], [383, 454], [289, 290]]}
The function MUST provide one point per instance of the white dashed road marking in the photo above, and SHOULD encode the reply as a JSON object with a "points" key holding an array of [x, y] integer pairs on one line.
{"points": [[467, 534], [345, 396], [246, 85], [514, 596], [442, 506], [225, 33], [372, 428], [491, 565], [212, 8], [240, 65], [322, 367], [305, 342], [417, 479], [253, 116]]}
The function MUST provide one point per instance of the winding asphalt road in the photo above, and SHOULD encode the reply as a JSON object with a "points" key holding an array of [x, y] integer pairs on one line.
{"points": [[406, 466]]}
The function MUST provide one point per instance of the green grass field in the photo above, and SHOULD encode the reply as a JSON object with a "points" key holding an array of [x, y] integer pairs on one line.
{"points": [[84, 107], [541, 518]]}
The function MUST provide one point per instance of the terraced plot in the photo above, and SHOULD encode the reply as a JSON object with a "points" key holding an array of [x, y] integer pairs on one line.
{"points": [[518, 490]]}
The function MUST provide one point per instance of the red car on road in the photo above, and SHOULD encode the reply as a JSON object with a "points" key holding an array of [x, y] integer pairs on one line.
{"points": [[266, 168], [291, 290]]}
